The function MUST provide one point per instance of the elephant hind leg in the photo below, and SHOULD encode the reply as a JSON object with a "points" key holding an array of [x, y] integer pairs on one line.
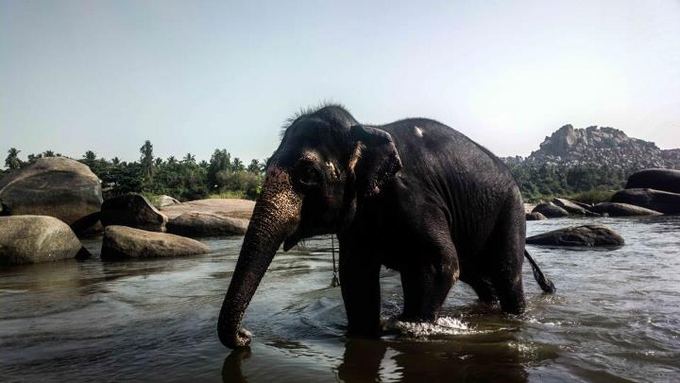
{"points": [[427, 279], [505, 256], [484, 290]]}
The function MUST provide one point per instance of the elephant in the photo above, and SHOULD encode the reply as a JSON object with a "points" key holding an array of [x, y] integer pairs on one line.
{"points": [[415, 196]]}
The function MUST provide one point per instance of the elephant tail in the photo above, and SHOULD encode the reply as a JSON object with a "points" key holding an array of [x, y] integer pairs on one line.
{"points": [[545, 283]]}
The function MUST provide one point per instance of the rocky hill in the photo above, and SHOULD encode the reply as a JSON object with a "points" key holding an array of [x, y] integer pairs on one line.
{"points": [[600, 146]]}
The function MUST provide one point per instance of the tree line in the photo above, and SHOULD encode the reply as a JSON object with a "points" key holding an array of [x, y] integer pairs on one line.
{"points": [[542, 180], [187, 179], [184, 179]]}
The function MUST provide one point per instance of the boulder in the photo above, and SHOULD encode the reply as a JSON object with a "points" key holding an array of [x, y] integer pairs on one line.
{"points": [[165, 200], [616, 209], [237, 208], [132, 210], [661, 201], [529, 207], [586, 206], [121, 242], [658, 179], [197, 224], [36, 238], [572, 208], [535, 216], [582, 236], [550, 210], [55, 186]]}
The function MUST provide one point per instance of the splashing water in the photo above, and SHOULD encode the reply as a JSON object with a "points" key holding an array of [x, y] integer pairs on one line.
{"points": [[442, 326]]}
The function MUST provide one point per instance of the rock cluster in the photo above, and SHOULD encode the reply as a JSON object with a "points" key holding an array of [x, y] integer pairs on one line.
{"points": [[600, 145], [43, 206]]}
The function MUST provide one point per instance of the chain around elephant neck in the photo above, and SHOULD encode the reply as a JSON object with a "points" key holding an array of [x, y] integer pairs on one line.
{"points": [[335, 282]]}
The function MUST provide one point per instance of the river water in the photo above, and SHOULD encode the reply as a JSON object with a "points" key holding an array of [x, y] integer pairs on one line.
{"points": [[615, 318]]}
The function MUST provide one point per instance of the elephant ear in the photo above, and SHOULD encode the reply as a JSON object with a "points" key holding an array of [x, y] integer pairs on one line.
{"points": [[375, 160]]}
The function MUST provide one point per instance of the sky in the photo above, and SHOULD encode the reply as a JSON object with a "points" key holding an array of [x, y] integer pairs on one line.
{"points": [[192, 76]]}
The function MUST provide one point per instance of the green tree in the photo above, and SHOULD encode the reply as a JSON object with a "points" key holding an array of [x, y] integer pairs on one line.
{"points": [[254, 167], [146, 160], [219, 161], [12, 161], [90, 156], [189, 159], [237, 165]]}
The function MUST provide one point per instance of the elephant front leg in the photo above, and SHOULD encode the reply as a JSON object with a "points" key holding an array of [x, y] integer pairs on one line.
{"points": [[360, 285]]}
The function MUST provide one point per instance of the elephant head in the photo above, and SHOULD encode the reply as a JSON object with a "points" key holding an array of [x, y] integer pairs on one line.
{"points": [[324, 167]]}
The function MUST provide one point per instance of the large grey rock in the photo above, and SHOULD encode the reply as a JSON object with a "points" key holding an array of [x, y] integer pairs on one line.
{"points": [[121, 242], [35, 238], [550, 210], [659, 179], [617, 209], [197, 224], [572, 208], [55, 186], [132, 210], [237, 208], [535, 216], [661, 201], [582, 236], [597, 146]]}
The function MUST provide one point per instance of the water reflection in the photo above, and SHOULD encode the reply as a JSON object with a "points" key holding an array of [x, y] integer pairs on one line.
{"points": [[403, 360]]}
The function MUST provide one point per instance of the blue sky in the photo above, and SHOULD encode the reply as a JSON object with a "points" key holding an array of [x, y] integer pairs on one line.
{"points": [[192, 76]]}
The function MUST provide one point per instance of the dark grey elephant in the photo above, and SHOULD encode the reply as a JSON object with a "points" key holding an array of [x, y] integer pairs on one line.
{"points": [[415, 196]]}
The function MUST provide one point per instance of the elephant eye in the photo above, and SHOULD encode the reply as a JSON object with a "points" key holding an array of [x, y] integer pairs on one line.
{"points": [[307, 174]]}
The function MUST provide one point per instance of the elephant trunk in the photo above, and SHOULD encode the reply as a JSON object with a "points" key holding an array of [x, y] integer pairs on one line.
{"points": [[276, 215]]}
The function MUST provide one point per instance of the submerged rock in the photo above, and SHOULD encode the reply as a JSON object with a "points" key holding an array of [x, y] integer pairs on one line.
{"points": [[658, 179], [572, 207], [535, 216], [661, 201], [550, 210], [197, 224], [122, 242], [35, 238], [582, 236], [55, 186], [132, 210], [617, 209]]}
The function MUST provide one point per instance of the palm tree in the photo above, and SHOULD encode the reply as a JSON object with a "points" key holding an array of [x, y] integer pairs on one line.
{"points": [[189, 159], [12, 161], [146, 160]]}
